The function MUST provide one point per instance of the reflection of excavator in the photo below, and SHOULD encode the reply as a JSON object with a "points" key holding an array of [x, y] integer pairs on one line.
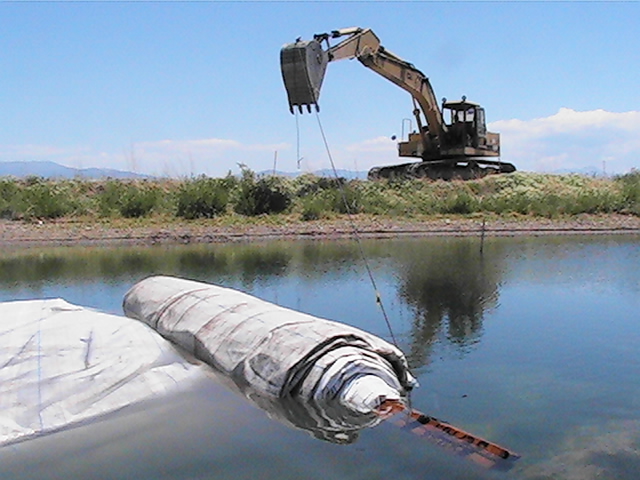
{"points": [[461, 148]]}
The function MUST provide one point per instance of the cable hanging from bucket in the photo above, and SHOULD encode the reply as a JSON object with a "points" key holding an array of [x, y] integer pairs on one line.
{"points": [[342, 192], [356, 234], [298, 157]]}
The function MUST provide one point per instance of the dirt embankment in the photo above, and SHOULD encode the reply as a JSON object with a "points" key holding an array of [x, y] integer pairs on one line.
{"points": [[67, 232]]}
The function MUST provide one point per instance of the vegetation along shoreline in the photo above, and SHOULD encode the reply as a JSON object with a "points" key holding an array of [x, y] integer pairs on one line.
{"points": [[37, 211]]}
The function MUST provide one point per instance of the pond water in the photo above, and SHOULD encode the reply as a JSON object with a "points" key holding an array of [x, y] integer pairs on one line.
{"points": [[532, 343]]}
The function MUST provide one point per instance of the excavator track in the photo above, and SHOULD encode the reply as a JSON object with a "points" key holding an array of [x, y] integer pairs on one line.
{"points": [[442, 170]]}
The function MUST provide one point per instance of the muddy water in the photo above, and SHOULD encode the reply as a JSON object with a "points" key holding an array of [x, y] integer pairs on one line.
{"points": [[532, 344]]}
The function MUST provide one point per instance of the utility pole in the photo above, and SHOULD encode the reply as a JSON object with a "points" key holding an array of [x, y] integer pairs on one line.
{"points": [[275, 161]]}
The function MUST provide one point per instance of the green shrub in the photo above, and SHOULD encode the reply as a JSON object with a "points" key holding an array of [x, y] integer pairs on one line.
{"points": [[459, 202], [202, 197], [380, 198], [139, 202], [629, 184], [109, 197], [345, 200], [327, 194], [9, 190], [43, 199], [130, 200], [32, 180], [312, 208], [258, 196], [309, 184]]}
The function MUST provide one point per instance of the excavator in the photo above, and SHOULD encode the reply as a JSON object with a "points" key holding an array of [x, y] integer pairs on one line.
{"points": [[460, 148]]}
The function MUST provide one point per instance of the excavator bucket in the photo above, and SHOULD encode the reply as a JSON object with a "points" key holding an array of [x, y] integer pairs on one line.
{"points": [[303, 65]]}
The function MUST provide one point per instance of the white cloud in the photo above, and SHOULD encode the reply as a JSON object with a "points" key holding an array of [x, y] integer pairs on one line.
{"points": [[364, 154], [572, 140], [358, 156], [567, 140], [378, 145]]}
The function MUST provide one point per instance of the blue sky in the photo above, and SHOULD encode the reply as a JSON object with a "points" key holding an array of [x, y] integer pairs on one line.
{"points": [[188, 88]]}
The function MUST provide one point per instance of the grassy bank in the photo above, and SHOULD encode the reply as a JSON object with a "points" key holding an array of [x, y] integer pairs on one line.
{"points": [[311, 198]]}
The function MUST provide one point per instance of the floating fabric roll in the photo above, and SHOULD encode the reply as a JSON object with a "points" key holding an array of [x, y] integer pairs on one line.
{"points": [[273, 352]]}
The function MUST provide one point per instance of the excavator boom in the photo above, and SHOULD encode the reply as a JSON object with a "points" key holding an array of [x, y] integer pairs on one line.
{"points": [[304, 64]]}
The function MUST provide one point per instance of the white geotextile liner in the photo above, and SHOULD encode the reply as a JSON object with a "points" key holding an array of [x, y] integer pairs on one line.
{"points": [[61, 364], [271, 350]]}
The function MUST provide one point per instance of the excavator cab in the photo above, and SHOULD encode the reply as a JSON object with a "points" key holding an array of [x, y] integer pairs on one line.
{"points": [[466, 126]]}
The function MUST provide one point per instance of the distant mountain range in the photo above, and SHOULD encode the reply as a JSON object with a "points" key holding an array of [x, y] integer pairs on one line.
{"points": [[47, 169], [54, 170]]}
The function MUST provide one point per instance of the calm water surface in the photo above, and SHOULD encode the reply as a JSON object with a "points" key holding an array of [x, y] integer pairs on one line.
{"points": [[533, 344]]}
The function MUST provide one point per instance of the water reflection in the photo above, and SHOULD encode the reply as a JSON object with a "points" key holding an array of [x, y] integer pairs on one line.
{"points": [[40, 266], [554, 375], [249, 264], [450, 285], [446, 283], [331, 422]]}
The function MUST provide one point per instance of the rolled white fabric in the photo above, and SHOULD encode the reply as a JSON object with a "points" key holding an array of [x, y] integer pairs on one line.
{"points": [[269, 350]]}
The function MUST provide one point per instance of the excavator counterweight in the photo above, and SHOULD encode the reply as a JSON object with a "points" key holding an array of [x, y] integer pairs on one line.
{"points": [[461, 148]]}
